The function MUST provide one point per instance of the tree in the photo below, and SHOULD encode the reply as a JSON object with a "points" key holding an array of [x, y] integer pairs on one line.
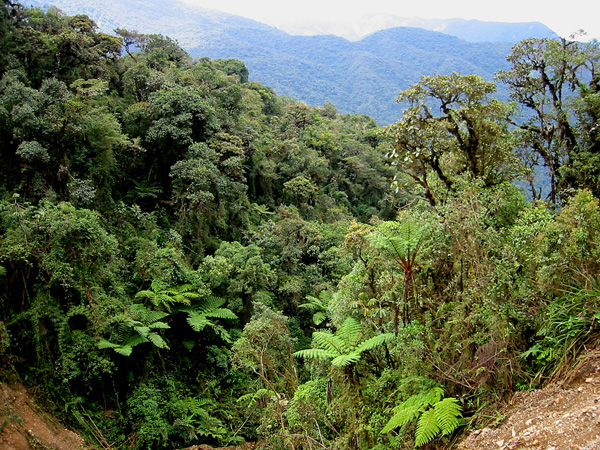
{"points": [[344, 348], [402, 241], [546, 75], [452, 128]]}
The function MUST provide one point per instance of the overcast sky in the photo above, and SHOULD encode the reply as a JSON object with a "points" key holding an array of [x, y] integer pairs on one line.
{"points": [[565, 20]]}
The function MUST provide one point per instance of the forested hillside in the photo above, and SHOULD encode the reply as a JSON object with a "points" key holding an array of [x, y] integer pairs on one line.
{"points": [[188, 258], [358, 77]]}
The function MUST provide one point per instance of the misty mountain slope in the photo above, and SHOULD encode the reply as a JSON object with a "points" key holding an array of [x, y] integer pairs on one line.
{"points": [[362, 77], [468, 30]]}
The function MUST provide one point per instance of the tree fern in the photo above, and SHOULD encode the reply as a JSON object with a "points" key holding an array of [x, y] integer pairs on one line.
{"points": [[200, 315], [344, 347], [436, 415]]}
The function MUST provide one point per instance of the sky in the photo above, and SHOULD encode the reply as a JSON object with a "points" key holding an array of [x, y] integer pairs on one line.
{"points": [[575, 15]]}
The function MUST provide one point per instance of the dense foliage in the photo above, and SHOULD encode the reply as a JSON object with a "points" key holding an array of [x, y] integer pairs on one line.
{"points": [[188, 258]]}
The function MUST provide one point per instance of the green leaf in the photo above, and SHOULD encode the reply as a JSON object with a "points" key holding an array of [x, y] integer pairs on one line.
{"points": [[124, 350], [197, 321], [375, 341], [315, 353], [157, 340], [103, 343], [427, 428], [403, 416], [448, 413], [345, 360]]}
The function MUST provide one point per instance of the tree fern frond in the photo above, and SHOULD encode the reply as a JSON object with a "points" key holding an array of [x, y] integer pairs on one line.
{"points": [[375, 341], [149, 295], [159, 325], [222, 332], [221, 313], [103, 343], [210, 303], [134, 340], [124, 350], [142, 331], [433, 396], [315, 353], [330, 342], [447, 413], [319, 317], [157, 340], [350, 332], [345, 360], [197, 321], [427, 428], [402, 417], [312, 305]]}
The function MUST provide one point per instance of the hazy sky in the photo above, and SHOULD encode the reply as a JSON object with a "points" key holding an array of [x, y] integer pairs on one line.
{"points": [[570, 17]]}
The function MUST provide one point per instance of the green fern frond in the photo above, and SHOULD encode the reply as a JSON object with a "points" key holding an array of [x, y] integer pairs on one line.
{"points": [[427, 428], [134, 340], [315, 353], [375, 341], [159, 325], [197, 321], [433, 396], [319, 317], [448, 413], [350, 332], [157, 340], [211, 303], [312, 305], [124, 350], [103, 343], [142, 331], [222, 332], [403, 416], [221, 313], [252, 397], [330, 342], [345, 360], [148, 295]]}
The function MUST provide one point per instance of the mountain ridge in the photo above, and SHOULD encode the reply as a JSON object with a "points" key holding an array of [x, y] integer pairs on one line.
{"points": [[362, 77]]}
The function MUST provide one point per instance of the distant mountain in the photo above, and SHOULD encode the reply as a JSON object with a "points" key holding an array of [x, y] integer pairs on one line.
{"points": [[469, 30], [358, 77]]}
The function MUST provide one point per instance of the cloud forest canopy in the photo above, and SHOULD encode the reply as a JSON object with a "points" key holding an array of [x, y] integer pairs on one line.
{"points": [[169, 231]]}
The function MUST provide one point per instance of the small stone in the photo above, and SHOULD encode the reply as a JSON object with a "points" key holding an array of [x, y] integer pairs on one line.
{"points": [[552, 447], [529, 422], [535, 443], [500, 443], [514, 433], [579, 389], [589, 380]]}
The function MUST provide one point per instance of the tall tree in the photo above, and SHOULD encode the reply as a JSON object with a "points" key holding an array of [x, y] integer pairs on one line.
{"points": [[546, 76], [452, 128]]}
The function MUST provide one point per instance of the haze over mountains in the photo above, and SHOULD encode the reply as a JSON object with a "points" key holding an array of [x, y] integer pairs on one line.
{"points": [[358, 76], [469, 30]]}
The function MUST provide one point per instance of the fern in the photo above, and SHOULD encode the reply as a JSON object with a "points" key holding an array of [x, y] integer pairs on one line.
{"points": [[200, 315], [437, 415], [344, 347], [315, 353], [447, 412], [375, 341], [427, 428]]}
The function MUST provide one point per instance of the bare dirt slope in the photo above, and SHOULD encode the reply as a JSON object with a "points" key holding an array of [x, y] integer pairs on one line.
{"points": [[564, 415], [23, 426]]}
